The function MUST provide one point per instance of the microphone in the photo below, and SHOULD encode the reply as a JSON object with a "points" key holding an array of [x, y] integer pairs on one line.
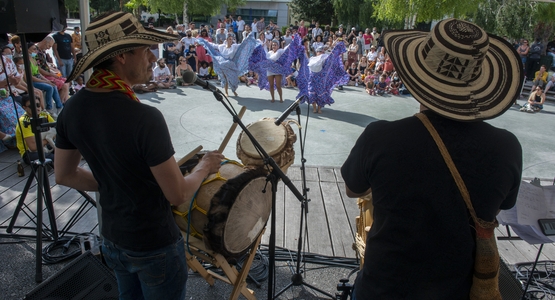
{"points": [[191, 77], [286, 113]]}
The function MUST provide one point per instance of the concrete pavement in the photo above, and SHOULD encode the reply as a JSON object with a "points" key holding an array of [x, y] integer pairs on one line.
{"points": [[195, 117]]}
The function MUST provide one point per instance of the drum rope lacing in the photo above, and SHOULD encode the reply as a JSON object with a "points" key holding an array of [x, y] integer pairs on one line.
{"points": [[194, 205]]}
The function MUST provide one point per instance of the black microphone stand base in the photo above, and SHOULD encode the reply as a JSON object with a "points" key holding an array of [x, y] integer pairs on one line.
{"points": [[297, 280]]}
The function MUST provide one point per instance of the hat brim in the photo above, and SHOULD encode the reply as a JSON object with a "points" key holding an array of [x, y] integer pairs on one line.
{"points": [[487, 96], [113, 48]]}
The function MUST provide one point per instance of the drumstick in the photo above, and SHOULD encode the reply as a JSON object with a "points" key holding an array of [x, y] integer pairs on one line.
{"points": [[189, 156], [231, 130]]}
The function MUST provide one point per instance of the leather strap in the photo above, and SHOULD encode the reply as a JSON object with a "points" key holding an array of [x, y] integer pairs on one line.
{"points": [[454, 172]]}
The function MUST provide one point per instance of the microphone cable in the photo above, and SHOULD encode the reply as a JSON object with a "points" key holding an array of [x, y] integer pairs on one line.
{"points": [[67, 247]]}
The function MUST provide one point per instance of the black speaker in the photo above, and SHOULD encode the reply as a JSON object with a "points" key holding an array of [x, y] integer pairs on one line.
{"points": [[84, 278], [32, 16], [509, 286]]}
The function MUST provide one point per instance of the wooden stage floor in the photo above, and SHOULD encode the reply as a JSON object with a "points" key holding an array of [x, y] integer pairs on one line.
{"points": [[330, 219]]}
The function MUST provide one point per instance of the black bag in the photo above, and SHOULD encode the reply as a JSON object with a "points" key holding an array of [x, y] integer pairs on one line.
{"points": [[535, 50]]}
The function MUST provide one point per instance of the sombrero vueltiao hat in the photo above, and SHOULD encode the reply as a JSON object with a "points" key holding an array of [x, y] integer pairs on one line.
{"points": [[113, 34], [457, 69]]}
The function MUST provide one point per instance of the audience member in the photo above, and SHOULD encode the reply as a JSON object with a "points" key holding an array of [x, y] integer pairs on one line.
{"points": [[64, 51], [540, 78], [162, 75], [26, 143], [535, 101]]}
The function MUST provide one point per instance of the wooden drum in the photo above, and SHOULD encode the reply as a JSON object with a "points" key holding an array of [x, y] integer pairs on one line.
{"points": [[276, 140], [363, 223], [229, 210]]}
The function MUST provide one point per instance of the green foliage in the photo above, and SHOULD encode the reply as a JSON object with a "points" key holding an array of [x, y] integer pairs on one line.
{"points": [[514, 18], [321, 10], [101, 6], [424, 10], [72, 5]]}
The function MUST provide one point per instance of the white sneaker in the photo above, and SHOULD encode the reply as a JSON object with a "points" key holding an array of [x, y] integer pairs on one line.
{"points": [[356, 83], [530, 110], [53, 113]]}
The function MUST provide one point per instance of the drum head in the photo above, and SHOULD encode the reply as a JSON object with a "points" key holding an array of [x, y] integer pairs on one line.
{"points": [[238, 213], [248, 216], [271, 137]]}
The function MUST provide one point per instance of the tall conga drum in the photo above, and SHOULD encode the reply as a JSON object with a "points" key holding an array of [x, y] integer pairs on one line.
{"points": [[229, 210]]}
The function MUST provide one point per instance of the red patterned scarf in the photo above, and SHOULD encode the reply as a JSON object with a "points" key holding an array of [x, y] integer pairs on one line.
{"points": [[106, 79]]}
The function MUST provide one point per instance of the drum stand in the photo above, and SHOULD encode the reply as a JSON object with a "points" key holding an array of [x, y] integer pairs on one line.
{"points": [[274, 176]]}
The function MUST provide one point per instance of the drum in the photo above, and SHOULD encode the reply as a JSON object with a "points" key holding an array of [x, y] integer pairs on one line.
{"points": [[363, 223], [229, 210], [277, 141]]}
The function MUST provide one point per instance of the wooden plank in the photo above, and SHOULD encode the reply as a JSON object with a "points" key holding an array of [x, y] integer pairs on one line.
{"points": [[342, 236], [326, 175], [338, 175], [319, 240], [292, 214]]}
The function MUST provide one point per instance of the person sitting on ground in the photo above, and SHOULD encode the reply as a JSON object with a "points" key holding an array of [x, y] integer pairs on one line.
{"points": [[381, 87], [540, 78], [394, 84], [535, 101], [162, 75], [182, 67], [291, 79], [252, 77], [354, 76], [369, 81], [203, 71], [21, 86], [148, 87], [26, 143]]}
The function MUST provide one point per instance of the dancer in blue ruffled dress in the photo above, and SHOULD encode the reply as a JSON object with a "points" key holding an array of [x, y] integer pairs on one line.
{"points": [[230, 60], [273, 66], [326, 72]]}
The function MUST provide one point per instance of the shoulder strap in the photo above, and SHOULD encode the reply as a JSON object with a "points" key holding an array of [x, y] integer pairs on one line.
{"points": [[454, 172]]}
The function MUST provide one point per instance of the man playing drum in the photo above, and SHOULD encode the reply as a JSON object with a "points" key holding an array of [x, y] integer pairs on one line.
{"points": [[128, 148]]}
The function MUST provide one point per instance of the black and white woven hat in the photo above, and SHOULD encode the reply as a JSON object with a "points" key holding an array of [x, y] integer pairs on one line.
{"points": [[113, 34], [457, 70]]}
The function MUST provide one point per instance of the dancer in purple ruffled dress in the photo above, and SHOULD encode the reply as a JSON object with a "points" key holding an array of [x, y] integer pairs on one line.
{"points": [[273, 66], [326, 72]]}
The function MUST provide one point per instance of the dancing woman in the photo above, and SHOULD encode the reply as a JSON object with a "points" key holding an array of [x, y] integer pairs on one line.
{"points": [[326, 72], [230, 60], [274, 66]]}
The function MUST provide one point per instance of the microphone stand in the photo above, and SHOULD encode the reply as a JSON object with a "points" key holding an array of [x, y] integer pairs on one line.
{"points": [[273, 178]]}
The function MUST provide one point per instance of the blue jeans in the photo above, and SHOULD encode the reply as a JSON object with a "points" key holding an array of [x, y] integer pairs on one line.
{"points": [[158, 274], [51, 93], [66, 68]]}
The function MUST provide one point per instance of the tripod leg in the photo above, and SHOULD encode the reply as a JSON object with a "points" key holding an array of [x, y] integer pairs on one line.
{"points": [[21, 200], [81, 211], [318, 290], [49, 205], [38, 253]]}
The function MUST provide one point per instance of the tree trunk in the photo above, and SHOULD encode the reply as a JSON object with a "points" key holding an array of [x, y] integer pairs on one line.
{"points": [[185, 17]]}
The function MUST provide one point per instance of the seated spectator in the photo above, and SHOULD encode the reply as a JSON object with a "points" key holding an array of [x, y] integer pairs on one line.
{"points": [[162, 75], [252, 77], [369, 80], [9, 112], [212, 72], [540, 78], [291, 78], [388, 65], [354, 75], [42, 83], [79, 85], [550, 83], [381, 87], [394, 84], [49, 70], [148, 87], [362, 65], [25, 137], [372, 57], [181, 67], [535, 101], [22, 87], [203, 71]]}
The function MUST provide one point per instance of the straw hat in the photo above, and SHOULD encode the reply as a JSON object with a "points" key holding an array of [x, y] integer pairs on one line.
{"points": [[457, 69], [113, 34]]}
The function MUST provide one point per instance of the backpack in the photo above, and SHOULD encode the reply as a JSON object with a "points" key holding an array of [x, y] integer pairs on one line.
{"points": [[535, 50]]}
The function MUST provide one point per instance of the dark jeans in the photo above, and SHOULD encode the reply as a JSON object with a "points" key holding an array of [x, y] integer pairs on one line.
{"points": [[158, 274]]}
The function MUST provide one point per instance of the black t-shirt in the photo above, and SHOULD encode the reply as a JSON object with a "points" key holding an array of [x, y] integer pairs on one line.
{"points": [[421, 244], [63, 45], [120, 140]]}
